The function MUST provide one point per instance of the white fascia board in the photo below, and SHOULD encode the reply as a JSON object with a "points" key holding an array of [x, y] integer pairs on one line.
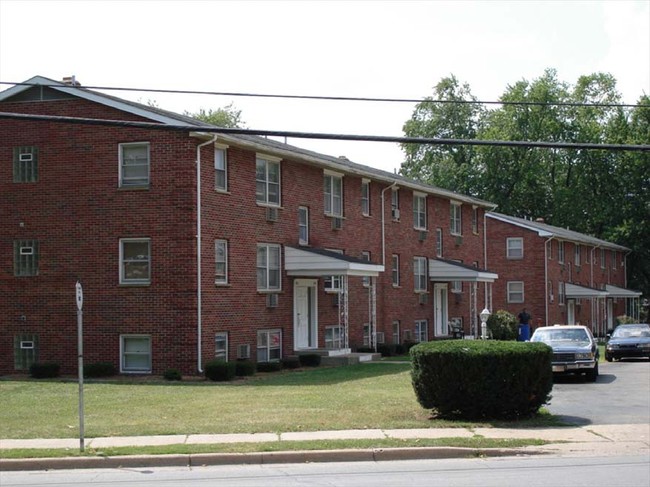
{"points": [[541, 233]]}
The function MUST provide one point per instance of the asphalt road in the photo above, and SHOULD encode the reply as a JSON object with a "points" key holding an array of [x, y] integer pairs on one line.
{"points": [[620, 395]]}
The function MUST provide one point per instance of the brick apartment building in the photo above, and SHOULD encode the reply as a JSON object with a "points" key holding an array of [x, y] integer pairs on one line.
{"points": [[299, 251], [558, 275]]}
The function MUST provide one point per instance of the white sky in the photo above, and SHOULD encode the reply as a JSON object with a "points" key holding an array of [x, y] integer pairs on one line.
{"points": [[367, 49]]}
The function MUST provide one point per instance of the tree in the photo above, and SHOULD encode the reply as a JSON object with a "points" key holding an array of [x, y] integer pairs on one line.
{"points": [[227, 117]]}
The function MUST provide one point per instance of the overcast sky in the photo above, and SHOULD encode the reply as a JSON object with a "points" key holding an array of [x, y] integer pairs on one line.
{"points": [[359, 49]]}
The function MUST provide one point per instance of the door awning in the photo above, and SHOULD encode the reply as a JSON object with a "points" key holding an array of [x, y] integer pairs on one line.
{"points": [[576, 291], [448, 270], [321, 262], [619, 292]]}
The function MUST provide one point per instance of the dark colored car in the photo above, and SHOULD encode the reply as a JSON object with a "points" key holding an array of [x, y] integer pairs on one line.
{"points": [[631, 340], [574, 349]]}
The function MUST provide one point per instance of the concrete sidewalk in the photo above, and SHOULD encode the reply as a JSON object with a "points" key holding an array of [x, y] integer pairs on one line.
{"points": [[585, 440]]}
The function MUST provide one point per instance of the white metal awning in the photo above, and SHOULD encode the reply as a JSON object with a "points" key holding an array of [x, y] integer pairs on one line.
{"points": [[619, 292], [448, 270], [321, 262], [576, 291]]}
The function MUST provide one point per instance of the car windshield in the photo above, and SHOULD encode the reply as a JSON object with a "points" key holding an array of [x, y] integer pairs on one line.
{"points": [[631, 332], [562, 335]]}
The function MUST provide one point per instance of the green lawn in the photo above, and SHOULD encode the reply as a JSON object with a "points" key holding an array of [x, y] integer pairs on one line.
{"points": [[372, 395]]}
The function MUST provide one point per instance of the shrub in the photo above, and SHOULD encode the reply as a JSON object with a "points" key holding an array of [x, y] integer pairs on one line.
{"points": [[291, 363], [220, 371], [502, 325], [44, 370], [400, 349], [479, 379], [269, 366], [244, 368], [365, 350], [99, 369], [309, 360], [386, 350], [625, 320], [172, 374]]}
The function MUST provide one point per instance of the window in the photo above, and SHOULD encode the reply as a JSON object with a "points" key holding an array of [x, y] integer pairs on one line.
{"points": [[269, 345], [394, 204], [135, 351], [585, 252], [560, 293], [421, 331], [396, 336], [576, 250], [475, 219], [602, 258], [457, 286], [551, 297], [365, 197], [333, 338], [333, 283], [221, 346], [25, 258], [515, 248], [267, 178], [515, 292], [25, 351], [560, 252], [549, 249], [135, 261], [614, 259], [333, 191], [25, 164], [366, 334], [221, 261], [395, 270], [438, 242], [419, 211], [420, 274], [456, 227], [220, 168], [303, 225], [268, 267], [365, 256], [134, 164]]}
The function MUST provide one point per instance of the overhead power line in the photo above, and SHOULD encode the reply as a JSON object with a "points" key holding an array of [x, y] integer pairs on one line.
{"points": [[337, 98], [325, 136]]}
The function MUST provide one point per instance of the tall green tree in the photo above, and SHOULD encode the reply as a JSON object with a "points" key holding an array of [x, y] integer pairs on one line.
{"points": [[228, 116]]}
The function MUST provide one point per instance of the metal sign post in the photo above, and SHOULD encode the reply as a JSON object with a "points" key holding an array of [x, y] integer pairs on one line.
{"points": [[80, 303]]}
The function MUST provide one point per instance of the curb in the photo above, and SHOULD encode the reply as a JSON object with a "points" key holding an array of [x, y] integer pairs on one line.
{"points": [[211, 459]]}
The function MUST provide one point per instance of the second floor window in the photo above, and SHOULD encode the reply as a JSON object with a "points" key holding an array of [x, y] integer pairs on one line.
{"points": [[394, 204], [438, 242], [134, 164], [577, 254], [333, 195], [267, 178], [25, 164], [420, 274], [474, 219], [515, 248], [365, 197], [135, 261], [268, 267], [560, 252], [419, 211], [221, 169], [303, 225], [395, 270], [455, 220]]}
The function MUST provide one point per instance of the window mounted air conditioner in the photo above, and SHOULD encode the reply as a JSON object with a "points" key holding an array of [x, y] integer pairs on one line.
{"points": [[271, 214], [380, 337], [423, 298], [395, 213], [422, 235], [337, 223], [272, 300], [243, 351]]}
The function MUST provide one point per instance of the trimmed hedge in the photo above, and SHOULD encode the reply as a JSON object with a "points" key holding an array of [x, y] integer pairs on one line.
{"points": [[244, 368], [99, 369], [269, 366], [44, 370], [291, 363], [220, 371], [481, 379], [309, 359], [172, 374]]}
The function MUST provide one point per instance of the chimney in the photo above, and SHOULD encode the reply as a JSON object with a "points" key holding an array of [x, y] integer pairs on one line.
{"points": [[344, 158], [71, 80], [539, 219]]}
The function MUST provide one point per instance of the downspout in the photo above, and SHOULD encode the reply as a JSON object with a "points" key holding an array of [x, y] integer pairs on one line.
{"points": [[546, 279], [383, 224], [595, 308], [199, 313]]}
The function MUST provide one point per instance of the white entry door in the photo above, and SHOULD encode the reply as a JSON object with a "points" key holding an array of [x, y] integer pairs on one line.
{"points": [[441, 315], [305, 316], [571, 312]]}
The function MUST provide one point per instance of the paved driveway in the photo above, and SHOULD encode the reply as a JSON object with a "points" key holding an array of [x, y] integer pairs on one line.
{"points": [[621, 395]]}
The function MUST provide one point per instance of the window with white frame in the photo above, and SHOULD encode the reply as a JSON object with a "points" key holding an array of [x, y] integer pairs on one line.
{"points": [[25, 164], [614, 259], [365, 256], [221, 346], [549, 249], [421, 331], [515, 291], [585, 253], [560, 293], [135, 261], [560, 252], [268, 267], [576, 252], [366, 334], [333, 337], [135, 352], [420, 274], [332, 284], [26, 258], [551, 296], [455, 219], [221, 168], [602, 258], [134, 164], [394, 204], [365, 197], [303, 225], [439, 242], [269, 345], [395, 270], [515, 248], [475, 219], [396, 335], [333, 194], [457, 286], [221, 261], [419, 211], [267, 178]]}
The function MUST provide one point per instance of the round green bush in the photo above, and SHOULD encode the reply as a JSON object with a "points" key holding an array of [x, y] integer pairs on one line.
{"points": [[291, 363], [220, 371], [309, 359], [269, 366], [502, 325], [99, 369], [172, 374], [44, 370], [244, 368], [482, 379]]}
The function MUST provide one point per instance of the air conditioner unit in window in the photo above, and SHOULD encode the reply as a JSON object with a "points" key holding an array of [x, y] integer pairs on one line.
{"points": [[380, 337], [422, 235], [337, 223], [271, 214], [459, 240], [395, 213], [423, 298], [243, 351], [551, 298], [272, 300]]}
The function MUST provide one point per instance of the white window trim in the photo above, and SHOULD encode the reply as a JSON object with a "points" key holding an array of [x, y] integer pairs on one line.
{"points": [[336, 340], [268, 288], [125, 370], [419, 210], [416, 275], [269, 160], [120, 155], [134, 282], [334, 280], [365, 183], [509, 292], [560, 252], [475, 215], [332, 176], [420, 326], [366, 256], [224, 148], [456, 218], [395, 275], [268, 346], [510, 248], [304, 209], [223, 280], [577, 255], [439, 242], [221, 335]]}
